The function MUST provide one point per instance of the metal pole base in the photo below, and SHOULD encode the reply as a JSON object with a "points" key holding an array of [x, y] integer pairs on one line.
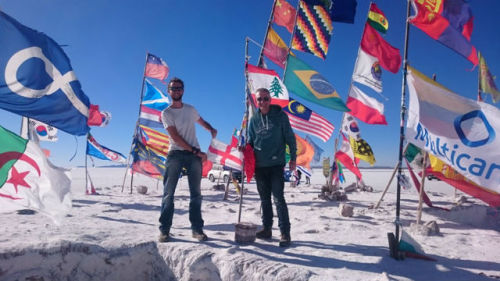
{"points": [[393, 247]]}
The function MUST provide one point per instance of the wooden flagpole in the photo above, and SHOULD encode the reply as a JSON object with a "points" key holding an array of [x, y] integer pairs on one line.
{"points": [[395, 245], [135, 130]]}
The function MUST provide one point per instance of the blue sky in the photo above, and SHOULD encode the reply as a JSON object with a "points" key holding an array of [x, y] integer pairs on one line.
{"points": [[203, 43]]}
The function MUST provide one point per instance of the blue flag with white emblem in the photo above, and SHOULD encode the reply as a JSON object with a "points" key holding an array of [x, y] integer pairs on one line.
{"points": [[37, 81]]}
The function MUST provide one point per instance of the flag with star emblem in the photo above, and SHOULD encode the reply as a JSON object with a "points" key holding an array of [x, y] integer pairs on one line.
{"points": [[284, 15], [29, 180], [305, 120], [307, 83], [362, 150]]}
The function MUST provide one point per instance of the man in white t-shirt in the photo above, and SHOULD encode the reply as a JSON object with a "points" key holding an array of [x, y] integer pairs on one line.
{"points": [[179, 120]]}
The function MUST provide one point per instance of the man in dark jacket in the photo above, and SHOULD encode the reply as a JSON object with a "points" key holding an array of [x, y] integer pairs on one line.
{"points": [[269, 133]]}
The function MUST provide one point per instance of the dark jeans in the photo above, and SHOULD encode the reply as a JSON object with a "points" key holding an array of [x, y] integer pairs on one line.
{"points": [[270, 180], [177, 159]]}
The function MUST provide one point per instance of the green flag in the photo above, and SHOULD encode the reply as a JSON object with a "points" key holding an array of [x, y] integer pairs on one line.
{"points": [[310, 85], [486, 80], [12, 148]]}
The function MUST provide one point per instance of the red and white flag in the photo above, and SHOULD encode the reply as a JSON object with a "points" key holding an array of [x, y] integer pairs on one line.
{"points": [[226, 155], [266, 78], [98, 117], [365, 108], [346, 157]]}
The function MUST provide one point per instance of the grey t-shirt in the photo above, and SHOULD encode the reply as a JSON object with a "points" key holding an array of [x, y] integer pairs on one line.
{"points": [[183, 119]]}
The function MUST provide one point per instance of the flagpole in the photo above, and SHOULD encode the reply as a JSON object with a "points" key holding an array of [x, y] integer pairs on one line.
{"points": [[86, 169], [479, 98], [135, 129], [401, 134], [269, 23]]}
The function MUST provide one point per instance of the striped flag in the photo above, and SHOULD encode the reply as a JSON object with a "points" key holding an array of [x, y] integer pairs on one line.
{"points": [[155, 140], [305, 120], [102, 152]]}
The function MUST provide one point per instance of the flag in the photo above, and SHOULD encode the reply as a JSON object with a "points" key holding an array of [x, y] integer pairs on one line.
{"points": [[317, 150], [305, 120], [377, 19], [313, 28], [350, 126], [310, 85], [461, 132], [153, 103], [275, 48], [345, 156], [449, 175], [155, 140], [284, 15], [449, 22], [102, 152], [367, 71], [249, 161], [37, 131], [29, 180], [373, 44], [266, 78], [305, 152], [224, 154], [412, 248], [97, 117], [416, 182], [47, 90], [306, 172], [486, 80], [362, 150], [154, 98], [146, 161], [156, 67], [365, 108], [344, 10]]}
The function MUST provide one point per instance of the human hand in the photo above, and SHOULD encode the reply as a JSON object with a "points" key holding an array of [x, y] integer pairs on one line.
{"points": [[203, 156], [213, 132]]}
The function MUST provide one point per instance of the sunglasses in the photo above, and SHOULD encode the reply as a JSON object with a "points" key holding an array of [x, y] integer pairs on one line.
{"points": [[263, 99], [176, 88]]}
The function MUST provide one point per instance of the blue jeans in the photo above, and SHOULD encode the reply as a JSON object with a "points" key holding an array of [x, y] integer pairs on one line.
{"points": [[270, 180], [177, 159]]}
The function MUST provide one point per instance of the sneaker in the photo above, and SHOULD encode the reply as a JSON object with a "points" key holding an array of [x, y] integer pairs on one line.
{"points": [[200, 235], [285, 240], [163, 237], [265, 233]]}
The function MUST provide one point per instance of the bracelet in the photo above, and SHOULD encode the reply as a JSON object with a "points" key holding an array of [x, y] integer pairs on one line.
{"points": [[195, 150]]}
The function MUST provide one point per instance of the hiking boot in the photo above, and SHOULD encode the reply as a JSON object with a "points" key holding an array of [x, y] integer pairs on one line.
{"points": [[285, 240], [200, 235], [265, 233], [164, 237]]}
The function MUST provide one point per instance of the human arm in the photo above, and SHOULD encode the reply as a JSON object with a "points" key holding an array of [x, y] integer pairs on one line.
{"points": [[208, 127], [289, 136]]}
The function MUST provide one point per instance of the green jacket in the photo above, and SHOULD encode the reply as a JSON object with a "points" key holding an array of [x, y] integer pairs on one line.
{"points": [[268, 134]]}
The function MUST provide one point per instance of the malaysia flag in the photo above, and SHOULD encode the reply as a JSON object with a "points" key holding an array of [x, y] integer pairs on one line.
{"points": [[305, 120]]}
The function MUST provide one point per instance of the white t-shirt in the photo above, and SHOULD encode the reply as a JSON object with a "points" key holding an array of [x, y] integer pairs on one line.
{"points": [[183, 119]]}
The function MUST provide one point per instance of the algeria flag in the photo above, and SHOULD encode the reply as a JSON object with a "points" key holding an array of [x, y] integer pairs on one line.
{"points": [[29, 180], [269, 79]]}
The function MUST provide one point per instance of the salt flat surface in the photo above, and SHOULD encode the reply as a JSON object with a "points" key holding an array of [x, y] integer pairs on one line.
{"points": [[113, 236]]}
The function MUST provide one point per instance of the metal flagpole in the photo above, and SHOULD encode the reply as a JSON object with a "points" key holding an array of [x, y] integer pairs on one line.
{"points": [[135, 130], [86, 169], [261, 55], [395, 244]]}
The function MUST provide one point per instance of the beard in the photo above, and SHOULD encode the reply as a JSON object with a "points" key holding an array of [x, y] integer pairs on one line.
{"points": [[177, 98]]}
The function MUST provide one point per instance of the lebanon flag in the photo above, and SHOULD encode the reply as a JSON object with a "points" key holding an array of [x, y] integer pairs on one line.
{"points": [[365, 108], [29, 180], [269, 79], [226, 155], [346, 157]]}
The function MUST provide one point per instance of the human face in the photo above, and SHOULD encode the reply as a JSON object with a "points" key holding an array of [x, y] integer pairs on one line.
{"points": [[263, 101], [176, 90]]}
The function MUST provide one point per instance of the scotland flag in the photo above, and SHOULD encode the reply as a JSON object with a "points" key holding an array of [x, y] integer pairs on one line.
{"points": [[37, 81]]}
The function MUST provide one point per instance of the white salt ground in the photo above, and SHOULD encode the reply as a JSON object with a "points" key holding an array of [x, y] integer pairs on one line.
{"points": [[113, 236]]}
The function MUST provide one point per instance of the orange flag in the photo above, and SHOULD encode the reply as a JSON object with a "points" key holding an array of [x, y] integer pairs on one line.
{"points": [[305, 152]]}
